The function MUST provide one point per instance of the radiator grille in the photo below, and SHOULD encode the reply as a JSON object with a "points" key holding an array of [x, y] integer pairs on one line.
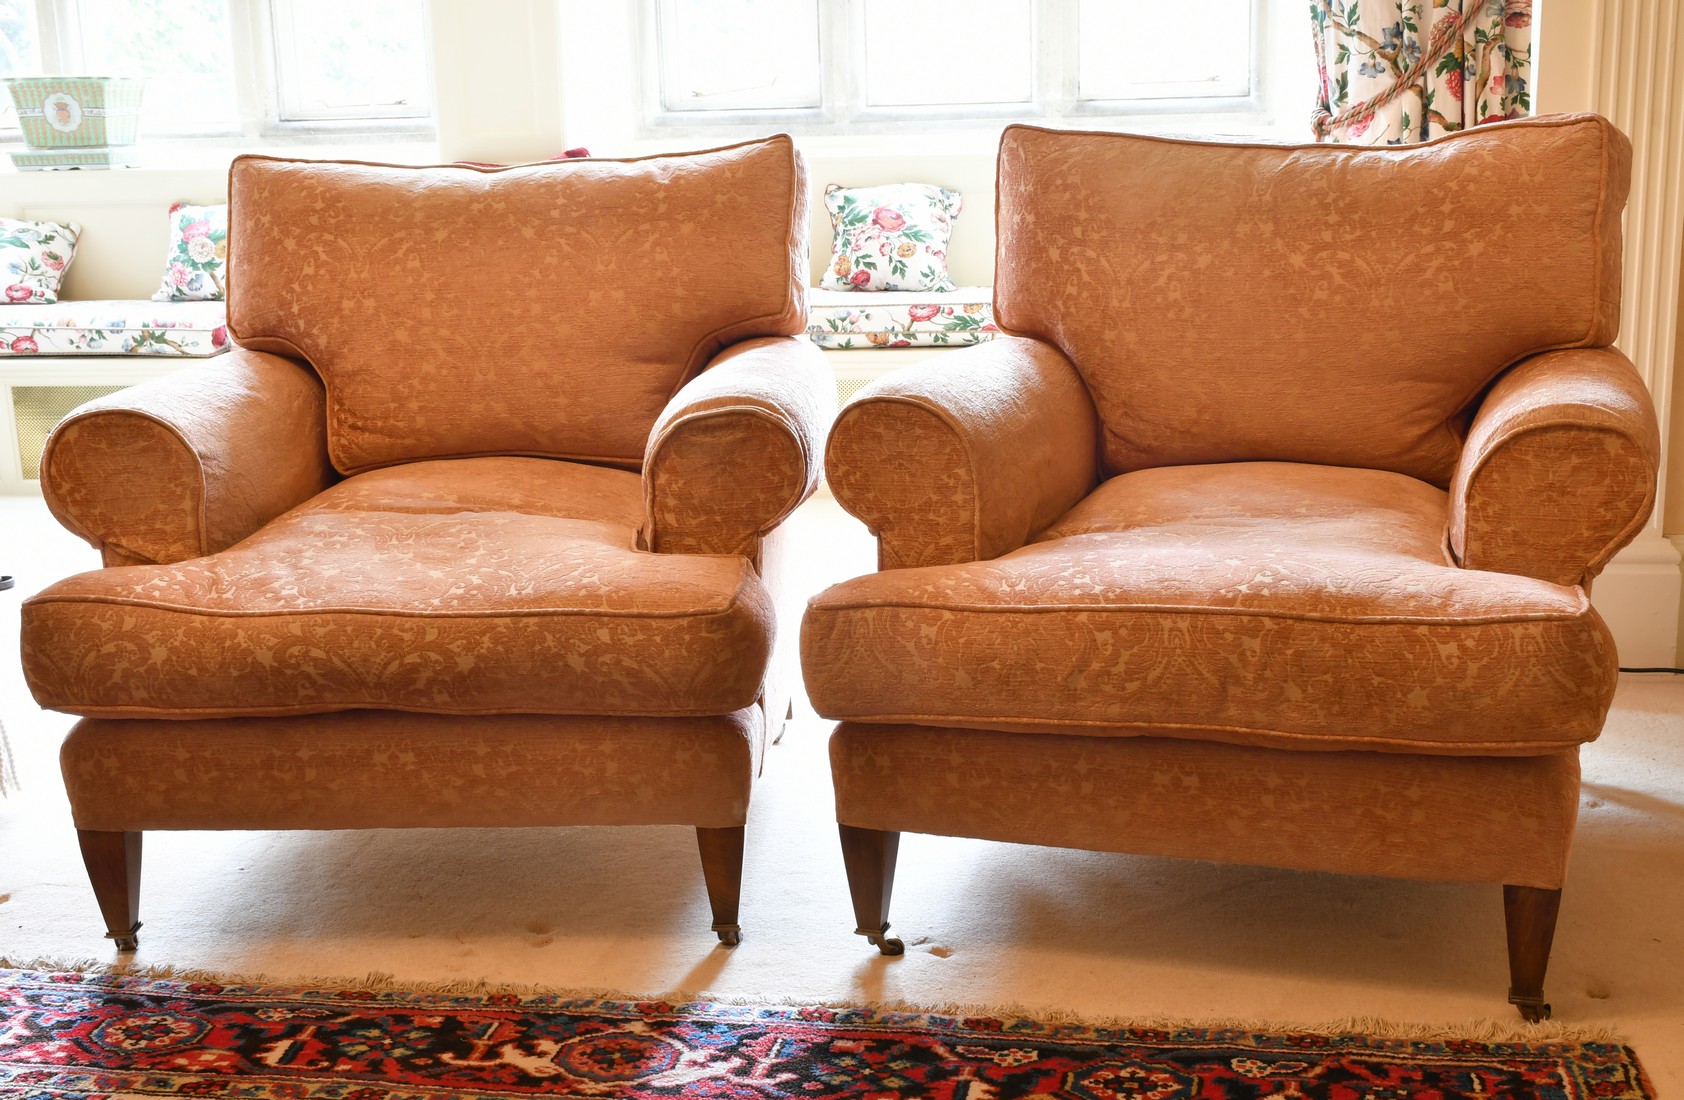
{"points": [[847, 387], [37, 410]]}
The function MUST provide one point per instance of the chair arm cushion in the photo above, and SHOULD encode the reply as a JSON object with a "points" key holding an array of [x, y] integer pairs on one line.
{"points": [[738, 448], [967, 455], [188, 464], [1558, 471]]}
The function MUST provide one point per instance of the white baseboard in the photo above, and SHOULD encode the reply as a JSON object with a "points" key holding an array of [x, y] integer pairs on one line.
{"points": [[1638, 596]]}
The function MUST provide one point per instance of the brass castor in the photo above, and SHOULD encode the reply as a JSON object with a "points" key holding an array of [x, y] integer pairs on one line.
{"points": [[126, 941], [729, 934], [1532, 1009], [880, 939]]}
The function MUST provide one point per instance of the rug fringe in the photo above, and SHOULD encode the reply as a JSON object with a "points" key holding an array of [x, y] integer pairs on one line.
{"points": [[1480, 1029]]}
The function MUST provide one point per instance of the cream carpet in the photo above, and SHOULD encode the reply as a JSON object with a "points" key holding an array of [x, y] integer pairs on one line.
{"points": [[1096, 934]]}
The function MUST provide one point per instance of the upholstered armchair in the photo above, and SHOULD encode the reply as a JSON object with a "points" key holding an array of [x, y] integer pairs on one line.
{"points": [[476, 527], [1266, 536]]}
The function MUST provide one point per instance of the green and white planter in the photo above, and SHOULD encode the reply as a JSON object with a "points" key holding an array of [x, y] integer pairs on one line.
{"points": [[76, 121]]}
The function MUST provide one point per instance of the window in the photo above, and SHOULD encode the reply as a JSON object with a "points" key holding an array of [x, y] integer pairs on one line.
{"points": [[20, 51], [844, 65], [365, 60], [254, 68]]}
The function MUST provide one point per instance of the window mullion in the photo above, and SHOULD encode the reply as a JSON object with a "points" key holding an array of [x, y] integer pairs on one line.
{"points": [[1056, 34], [255, 88], [58, 30], [842, 54]]}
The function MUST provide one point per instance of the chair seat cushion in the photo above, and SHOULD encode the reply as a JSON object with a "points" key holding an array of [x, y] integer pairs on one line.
{"points": [[842, 319], [1275, 604], [467, 586], [189, 330]]}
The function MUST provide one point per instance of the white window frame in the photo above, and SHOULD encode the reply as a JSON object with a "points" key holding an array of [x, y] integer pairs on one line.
{"points": [[844, 111], [289, 106], [267, 107]]}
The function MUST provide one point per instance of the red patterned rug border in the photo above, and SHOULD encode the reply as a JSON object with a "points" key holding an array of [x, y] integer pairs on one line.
{"points": [[1599, 1067], [999, 1021]]}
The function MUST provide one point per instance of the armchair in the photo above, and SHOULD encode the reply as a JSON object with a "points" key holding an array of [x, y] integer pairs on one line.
{"points": [[420, 555], [1234, 549]]}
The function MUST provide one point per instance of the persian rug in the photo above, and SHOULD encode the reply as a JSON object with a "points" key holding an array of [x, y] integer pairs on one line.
{"points": [[115, 1036]]}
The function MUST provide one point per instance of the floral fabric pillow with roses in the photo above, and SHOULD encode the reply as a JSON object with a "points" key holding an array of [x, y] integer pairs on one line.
{"points": [[892, 237], [197, 268], [33, 256]]}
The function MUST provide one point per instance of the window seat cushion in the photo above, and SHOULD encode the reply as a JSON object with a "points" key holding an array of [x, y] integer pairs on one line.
{"points": [[900, 319], [191, 330]]}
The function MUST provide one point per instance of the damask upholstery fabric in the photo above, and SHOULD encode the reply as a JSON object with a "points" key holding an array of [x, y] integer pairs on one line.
{"points": [[190, 463], [1560, 468], [760, 411], [470, 586], [366, 272], [1467, 819], [379, 769], [1274, 604], [968, 458], [1206, 291]]}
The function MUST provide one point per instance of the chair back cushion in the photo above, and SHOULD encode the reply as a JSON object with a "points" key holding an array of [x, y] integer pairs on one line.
{"points": [[1333, 304], [543, 309]]}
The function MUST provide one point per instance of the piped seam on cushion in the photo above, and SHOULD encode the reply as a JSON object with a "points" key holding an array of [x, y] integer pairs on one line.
{"points": [[301, 709], [1535, 122], [1311, 742], [736, 603], [1584, 607]]}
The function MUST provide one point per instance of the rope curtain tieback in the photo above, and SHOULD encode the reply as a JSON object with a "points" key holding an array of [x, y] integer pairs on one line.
{"points": [[1446, 33]]}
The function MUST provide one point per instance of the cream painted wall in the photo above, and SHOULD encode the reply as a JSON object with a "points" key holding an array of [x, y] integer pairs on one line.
{"points": [[1566, 81], [1623, 58]]}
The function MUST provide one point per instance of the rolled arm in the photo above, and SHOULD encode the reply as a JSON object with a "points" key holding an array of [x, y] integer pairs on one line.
{"points": [[1558, 472], [738, 448], [190, 463], [967, 455]]}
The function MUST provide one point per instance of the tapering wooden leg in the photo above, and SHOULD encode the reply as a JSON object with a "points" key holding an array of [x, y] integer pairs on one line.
{"points": [[869, 856], [1530, 915], [113, 861], [722, 867]]}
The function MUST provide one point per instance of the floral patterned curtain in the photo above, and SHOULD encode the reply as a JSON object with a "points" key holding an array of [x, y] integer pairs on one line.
{"points": [[1400, 71]]}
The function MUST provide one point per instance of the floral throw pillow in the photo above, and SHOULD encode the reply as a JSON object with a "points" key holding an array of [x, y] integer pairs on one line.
{"points": [[892, 237], [33, 257], [197, 268]]}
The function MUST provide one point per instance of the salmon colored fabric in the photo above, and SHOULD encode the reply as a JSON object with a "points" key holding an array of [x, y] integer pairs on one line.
{"points": [[1560, 468], [966, 456], [1228, 302], [190, 463], [544, 309], [738, 449], [470, 587], [1274, 604], [378, 769], [1462, 819]]}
